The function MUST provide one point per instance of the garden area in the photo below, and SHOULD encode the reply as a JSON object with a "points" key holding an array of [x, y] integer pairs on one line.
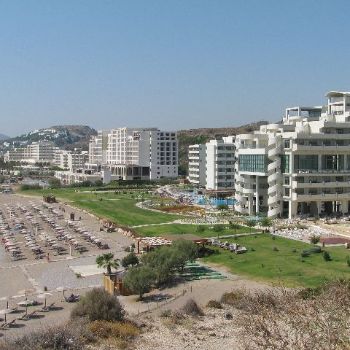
{"points": [[119, 207], [283, 261]]}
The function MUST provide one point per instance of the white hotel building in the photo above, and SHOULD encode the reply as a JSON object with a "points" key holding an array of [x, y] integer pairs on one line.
{"points": [[136, 153], [212, 165], [300, 166]]}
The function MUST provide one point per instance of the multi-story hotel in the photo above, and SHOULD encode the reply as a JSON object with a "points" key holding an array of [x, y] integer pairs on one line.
{"points": [[300, 166], [136, 153], [37, 152], [197, 164], [212, 164]]}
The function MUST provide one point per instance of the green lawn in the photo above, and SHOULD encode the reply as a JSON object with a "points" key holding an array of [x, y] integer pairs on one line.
{"points": [[179, 229], [119, 208], [283, 266]]}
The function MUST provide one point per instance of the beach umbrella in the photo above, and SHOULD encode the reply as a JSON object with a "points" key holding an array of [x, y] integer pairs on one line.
{"points": [[7, 301], [5, 312], [44, 296]]}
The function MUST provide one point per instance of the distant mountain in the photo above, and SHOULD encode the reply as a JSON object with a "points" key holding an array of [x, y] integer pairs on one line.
{"points": [[203, 135], [4, 137], [63, 136]]}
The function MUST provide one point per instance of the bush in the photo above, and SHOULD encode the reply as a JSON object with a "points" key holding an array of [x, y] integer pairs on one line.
{"points": [[326, 256], [97, 304], [107, 329], [314, 239], [305, 254], [348, 260], [165, 313], [72, 336], [315, 249], [275, 249], [130, 260], [232, 298], [214, 304], [191, 308]]}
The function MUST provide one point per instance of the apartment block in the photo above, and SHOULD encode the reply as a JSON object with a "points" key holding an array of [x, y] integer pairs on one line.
{"points": [[136, 153], [212, 165], [37, 152], [197, 164], [300, 166]]}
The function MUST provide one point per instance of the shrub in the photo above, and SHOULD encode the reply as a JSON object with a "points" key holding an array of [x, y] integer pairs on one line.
{"points": [[315, 249], [314, 239], [97, 304], [275, 249], [326, 256], [191, 308], [130, 260], [106, 329], [348, 260], [232, 298], [72, 336], [214, 304], [305, 254], [165, 313]]}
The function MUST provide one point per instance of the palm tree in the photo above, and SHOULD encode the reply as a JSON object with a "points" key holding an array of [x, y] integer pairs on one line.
{"points": [[107, 261]]}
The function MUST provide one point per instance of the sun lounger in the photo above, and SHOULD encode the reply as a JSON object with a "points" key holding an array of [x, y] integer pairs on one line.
{"points": [[47, 308]]}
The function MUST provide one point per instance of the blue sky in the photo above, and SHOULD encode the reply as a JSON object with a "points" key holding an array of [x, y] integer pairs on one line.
{"points": [[172, 64]]}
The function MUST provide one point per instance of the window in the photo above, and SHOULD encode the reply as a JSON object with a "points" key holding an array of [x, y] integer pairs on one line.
{"points": [[285, 163], [306, 162], [252, 162]]}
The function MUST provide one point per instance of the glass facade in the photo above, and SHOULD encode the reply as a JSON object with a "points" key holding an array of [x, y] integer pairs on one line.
{"points": [[256, 163], [285, 167], [306, 162]]}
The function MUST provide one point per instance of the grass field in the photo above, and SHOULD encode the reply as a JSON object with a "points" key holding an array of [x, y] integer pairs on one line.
{"points": [[119, 208], [284, 266], [179, 229]]}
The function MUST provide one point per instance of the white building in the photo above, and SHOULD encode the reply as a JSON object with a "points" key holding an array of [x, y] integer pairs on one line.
{"points": [[197, 164], [213, 164], [98, 148], [300, 166], [71, 160], [37, 152], [136, 153], [220, 170]]}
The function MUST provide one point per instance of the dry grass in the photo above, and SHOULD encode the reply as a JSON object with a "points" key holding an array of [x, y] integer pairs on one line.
{"points": [[289, 320], [106, 329], [214, 304]]}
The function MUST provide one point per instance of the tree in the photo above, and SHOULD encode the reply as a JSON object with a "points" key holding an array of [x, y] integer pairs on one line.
{"points": [[183, 251], [266, 222], [139, 280], [130, 260], [97, 304], [107, 261], [161, 261]]}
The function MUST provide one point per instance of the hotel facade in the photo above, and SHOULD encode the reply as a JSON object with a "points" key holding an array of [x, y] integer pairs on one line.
{"points": [[300, 166]]}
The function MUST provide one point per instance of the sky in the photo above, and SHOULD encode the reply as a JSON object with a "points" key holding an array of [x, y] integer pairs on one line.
{"points": [[169, 64]]}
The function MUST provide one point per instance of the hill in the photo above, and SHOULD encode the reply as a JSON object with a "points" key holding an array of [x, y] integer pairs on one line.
{"points": [[202, 135], [63, 136], [3, 137]]}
